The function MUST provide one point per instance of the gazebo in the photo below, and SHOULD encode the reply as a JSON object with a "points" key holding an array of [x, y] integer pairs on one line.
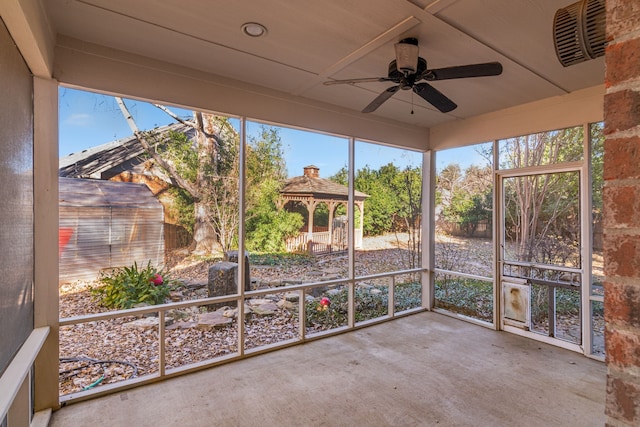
{"points": [[309, 190]]}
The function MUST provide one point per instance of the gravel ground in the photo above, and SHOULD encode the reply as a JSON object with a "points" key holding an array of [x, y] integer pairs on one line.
{"points": [[88, 350]]}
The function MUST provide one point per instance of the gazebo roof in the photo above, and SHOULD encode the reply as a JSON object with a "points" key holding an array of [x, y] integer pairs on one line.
{"points": [[311, 185]]}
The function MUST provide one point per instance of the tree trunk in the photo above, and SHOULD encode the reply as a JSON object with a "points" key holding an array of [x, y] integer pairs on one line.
{"points": [[204, 234]]}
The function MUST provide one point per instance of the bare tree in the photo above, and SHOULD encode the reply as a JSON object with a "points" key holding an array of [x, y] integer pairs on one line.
{"points": [[537, 203]]}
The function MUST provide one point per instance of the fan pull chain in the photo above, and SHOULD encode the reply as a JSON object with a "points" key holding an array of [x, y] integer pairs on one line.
{"points": [[411, 102]]}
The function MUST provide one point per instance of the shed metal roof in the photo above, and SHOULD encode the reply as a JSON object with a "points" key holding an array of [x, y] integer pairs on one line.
{"points": [[98, 193], [106, 160]]}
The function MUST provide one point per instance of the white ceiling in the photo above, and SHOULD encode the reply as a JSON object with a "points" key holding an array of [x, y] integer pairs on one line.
{"points": [[309, 42]]}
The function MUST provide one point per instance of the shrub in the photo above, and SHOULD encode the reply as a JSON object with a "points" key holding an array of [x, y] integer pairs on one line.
{"points": [[370, 303], [281, 259], [469, 297], [125, 287], [407, 296], [322, 316]]}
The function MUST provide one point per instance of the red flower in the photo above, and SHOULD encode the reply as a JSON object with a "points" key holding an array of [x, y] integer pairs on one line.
{"points": [[156, 280], [325, 301]]}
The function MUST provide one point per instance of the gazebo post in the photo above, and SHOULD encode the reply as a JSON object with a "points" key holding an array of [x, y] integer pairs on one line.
{"points": [[331, 205], [311, 208], [360, 206]]}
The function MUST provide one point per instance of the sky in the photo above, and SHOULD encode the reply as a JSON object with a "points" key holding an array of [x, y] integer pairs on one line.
{"points": [[87, 119]]}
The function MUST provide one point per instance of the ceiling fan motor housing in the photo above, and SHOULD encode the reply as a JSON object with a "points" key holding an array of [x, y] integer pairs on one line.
{"points": [[396, 75], [579, 32]]}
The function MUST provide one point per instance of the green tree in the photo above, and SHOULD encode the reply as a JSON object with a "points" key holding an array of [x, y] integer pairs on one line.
{"points": [[466, 197], [267, 225], [379, 206], [394, 197], [208, 175], [204, 165]]}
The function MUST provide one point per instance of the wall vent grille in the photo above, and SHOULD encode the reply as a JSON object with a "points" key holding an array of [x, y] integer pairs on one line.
{"points": [[579, 32]]}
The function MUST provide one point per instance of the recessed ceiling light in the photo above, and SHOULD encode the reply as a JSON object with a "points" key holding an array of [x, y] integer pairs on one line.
{"points": [[253, 29]]}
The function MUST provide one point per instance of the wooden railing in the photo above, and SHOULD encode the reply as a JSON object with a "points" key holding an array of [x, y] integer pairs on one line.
{"points": [[320, 243]]}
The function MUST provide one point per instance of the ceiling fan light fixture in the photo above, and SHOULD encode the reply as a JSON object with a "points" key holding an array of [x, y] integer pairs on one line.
{"points": [[253, 29], [407, 55]]}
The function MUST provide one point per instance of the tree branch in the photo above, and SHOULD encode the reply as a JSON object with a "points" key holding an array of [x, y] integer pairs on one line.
{"points": [[174, 175], [199, 126], [174, 116]]}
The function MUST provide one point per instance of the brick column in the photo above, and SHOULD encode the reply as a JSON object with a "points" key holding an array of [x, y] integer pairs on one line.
{"points": [[622, 212]]}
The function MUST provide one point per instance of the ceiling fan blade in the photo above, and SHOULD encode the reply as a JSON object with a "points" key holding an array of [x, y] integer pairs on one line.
{"points": [[352, 81], [380, 99], [434, 97], [464, 71]]}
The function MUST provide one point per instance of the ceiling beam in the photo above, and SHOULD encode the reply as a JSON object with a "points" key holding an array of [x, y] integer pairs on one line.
{"points": [[31, 31], [387, 36]]}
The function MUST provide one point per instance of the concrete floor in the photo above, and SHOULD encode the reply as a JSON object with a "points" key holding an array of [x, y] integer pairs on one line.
{"points": [[421, 370]]}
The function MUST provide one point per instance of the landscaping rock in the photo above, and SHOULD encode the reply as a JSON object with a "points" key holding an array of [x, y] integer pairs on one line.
{"points": [[292, 296], [223, 280], [181, 325], [147, 323], [261, 301], [232, 313], [334, 291], [232, 256], [268, 309], [209, 321], [284, 304], [176, 296]]}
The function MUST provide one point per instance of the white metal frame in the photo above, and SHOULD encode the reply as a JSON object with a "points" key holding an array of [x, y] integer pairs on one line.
{"points": [[521, 284], [239, 298], [584, 169], [161, 309], [585, 241], [587, 255]]}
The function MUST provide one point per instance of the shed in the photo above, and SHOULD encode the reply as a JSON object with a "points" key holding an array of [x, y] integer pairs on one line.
{"points": [[104, 224], [126, 160]]}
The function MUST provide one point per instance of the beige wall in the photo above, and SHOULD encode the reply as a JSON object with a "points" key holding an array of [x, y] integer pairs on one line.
{"points": [[28, 26], [89, 66], [584, 106]]}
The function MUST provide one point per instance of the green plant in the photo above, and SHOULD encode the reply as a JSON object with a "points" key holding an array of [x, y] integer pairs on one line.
{"points": [[407, 296], [470, 297], [125, 287], [332, 311], [321, 316], [282, 259]]}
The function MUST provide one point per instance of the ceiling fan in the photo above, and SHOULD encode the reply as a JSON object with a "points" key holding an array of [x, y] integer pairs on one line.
{"points": [[408, 69]]}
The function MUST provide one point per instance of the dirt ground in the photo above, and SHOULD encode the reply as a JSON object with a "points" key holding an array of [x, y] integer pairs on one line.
{"points": [[86, 347]]}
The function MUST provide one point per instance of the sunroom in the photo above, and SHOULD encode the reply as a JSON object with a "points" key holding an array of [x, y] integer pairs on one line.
{"points": [[504, 235]]}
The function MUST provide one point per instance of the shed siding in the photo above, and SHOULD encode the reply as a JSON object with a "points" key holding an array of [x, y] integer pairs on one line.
{"points": [[110, 225]]}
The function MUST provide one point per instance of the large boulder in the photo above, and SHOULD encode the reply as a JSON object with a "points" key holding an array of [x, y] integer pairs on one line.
{"points": [[232, 256], [223, 280]]}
